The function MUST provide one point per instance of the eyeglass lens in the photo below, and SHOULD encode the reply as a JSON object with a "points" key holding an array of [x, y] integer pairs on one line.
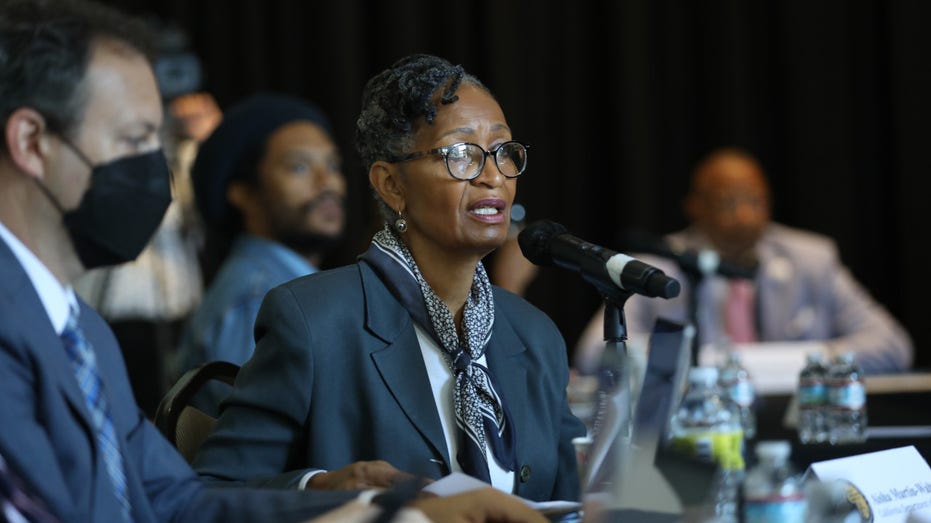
{"points": [[465, 161]]}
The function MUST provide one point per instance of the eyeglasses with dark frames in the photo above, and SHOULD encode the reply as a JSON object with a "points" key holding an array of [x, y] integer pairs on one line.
{"points": [[465, 161]]}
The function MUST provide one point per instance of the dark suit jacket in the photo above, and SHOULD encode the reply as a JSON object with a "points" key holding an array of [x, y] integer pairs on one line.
{"points": [[47, 436], [337, 376]]}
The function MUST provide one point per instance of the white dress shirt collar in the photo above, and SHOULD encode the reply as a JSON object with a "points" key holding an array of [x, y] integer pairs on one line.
{"points": [[56, 299]]}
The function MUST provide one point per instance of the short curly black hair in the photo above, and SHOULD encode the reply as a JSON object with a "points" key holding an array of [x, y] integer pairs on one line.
{"points": [[393, 101]]}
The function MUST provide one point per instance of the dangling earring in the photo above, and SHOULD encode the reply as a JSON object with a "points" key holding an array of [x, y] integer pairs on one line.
{"points": [[400, 224]]}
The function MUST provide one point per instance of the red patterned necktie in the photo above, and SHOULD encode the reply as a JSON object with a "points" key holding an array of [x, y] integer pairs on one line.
{"points": [[739, 311]]}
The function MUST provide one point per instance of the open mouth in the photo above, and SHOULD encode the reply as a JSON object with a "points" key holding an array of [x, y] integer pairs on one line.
{"points": [[487, 206], [488, 210]]}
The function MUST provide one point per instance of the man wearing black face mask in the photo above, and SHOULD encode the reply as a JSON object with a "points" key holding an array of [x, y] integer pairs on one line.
{"points": [[122, 207], [83, 183], [270, 178]]}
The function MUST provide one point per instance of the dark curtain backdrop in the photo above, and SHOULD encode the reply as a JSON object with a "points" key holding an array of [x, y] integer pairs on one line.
{"points": [[620, 98]]}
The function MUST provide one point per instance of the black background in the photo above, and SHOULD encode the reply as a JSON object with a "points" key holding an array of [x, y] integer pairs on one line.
{"points": [[620, 98]]}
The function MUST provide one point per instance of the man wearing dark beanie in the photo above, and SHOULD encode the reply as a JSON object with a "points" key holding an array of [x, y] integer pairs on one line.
{"points": [[269, 179]]}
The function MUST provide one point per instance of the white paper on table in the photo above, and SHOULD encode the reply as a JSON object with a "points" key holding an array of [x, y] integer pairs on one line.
{"points": [[457, 483], [773, 366]]}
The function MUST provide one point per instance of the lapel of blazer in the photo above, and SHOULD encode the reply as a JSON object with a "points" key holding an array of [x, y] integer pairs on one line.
{"points": [[39, 335], [400, 363], [502, 356]]}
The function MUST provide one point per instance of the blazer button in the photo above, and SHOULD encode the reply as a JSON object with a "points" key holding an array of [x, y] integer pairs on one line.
{"points": [[525, 474]]}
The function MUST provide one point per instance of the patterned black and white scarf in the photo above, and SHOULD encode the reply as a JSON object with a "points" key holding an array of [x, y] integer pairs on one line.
{"points": [[481, 416]]}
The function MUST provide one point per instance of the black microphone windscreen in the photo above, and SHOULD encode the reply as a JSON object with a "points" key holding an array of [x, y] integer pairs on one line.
{"points": [[535, 238]]}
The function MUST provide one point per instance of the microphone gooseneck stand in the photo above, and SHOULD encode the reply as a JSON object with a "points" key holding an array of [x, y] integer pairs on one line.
{"points": [[707, 265], [614, 369], [612, 424], [695, 279]]}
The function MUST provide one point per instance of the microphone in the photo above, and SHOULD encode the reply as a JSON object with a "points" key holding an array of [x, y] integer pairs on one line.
{"points": [[549, 243], [696, 262]]}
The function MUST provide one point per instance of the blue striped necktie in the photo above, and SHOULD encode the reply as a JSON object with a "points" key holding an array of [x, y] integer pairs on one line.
{"points": [[84, 362]]}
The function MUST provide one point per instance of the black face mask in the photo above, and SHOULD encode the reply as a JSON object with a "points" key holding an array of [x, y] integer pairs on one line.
{"points": [[122, 209]]}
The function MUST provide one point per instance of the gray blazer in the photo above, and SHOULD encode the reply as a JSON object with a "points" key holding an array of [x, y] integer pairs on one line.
{"points": [[47, 436], [337, 377]]}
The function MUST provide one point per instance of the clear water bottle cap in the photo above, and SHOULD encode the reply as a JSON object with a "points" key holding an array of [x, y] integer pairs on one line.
{"points": [[814, 357], [848, 357], [733, 357], [706, 375], [775, 450]]}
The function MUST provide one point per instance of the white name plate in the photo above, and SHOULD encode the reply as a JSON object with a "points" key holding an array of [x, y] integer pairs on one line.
{"points": [[889, 484]]}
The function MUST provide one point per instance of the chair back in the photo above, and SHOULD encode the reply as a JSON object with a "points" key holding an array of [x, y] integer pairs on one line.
{"points": [[184, 425]]}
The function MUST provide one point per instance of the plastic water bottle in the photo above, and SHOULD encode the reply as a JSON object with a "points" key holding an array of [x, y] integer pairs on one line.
{"points": [[707, 428], [735, 381], [772, 491], [812, 401], [846, 417]]}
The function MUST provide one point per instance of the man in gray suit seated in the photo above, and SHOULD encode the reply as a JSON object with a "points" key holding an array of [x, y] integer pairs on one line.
{"points": [[801, 293]]}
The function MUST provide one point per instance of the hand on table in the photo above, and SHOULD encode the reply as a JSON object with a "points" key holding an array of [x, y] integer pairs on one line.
{"points": [[359, 475], [478, 506]]}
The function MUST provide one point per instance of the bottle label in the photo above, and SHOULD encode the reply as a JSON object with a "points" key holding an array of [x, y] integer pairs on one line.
{"points": [[787, 510], [812, 394], [724, 448], [850, 395], [740, 392]]}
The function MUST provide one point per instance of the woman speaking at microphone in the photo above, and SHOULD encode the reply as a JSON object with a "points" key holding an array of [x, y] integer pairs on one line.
{"points": [[410, 356]]}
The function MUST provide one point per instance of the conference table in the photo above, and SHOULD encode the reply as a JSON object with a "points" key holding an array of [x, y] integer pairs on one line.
{"points": [[899, 414], [898, 411]]}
